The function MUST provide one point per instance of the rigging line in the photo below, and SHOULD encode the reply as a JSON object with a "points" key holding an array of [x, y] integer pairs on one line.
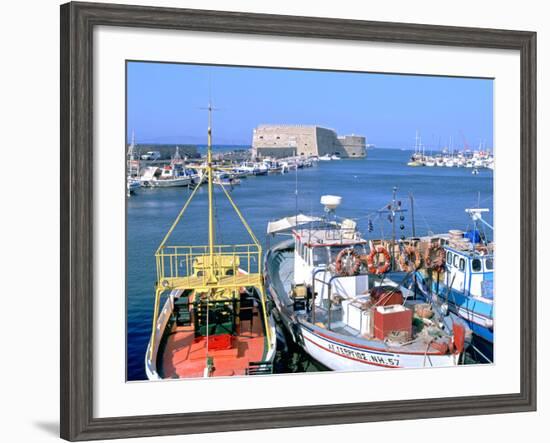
{"points": [[219, 233], [243, 220], [296, 190], [423, 217], [177, 220], [368, 215]]}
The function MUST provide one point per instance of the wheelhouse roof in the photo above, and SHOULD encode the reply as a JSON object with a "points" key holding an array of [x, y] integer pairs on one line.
{"points": [[328, 237]]}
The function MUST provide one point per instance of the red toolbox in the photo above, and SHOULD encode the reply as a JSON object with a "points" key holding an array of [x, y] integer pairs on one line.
{"points": [[392, 318]]}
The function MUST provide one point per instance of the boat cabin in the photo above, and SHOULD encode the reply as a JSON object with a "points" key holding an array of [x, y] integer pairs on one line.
{"points": [[318, 248], [469, 271]]}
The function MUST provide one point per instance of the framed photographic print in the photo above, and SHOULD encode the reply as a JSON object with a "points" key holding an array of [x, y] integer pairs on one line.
{"points": [[273, 221]]}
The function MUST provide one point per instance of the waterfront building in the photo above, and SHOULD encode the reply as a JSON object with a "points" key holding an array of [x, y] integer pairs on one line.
{"points": [[279, 141]]}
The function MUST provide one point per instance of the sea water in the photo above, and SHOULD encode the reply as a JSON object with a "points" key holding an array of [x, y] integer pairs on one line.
{"points": [[440, 196]]}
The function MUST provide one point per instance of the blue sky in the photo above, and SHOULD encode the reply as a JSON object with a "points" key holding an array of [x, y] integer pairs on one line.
{"points": [[164, 102]]}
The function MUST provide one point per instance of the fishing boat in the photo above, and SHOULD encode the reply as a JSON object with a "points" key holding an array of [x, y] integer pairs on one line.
{"points": [[418, 158], [226, 179], [273, 166], [132, 185], [335, 156], [210, 315], [464, 285], [164, 177], [339, 300], [325, 158], [253, 168]]}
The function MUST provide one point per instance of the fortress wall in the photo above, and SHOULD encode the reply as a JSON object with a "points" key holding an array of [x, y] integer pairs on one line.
{"points": [[300, 138], [353, 145], [280, 140]]}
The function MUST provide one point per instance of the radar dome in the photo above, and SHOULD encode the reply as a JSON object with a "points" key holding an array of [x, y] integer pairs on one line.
{"points": [[331, 202]]}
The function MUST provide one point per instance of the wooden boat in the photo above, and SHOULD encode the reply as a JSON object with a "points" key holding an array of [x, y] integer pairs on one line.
{"points": [[210, 316], [464, 284], [346, 307]]}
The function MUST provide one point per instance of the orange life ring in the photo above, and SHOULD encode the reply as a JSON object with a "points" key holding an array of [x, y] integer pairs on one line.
{"points": [[434, 258], [345, 269], [410, 259], [378, 267]]}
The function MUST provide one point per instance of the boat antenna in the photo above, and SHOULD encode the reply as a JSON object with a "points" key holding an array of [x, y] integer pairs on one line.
{"points": [[394, 194], [411, 199], [293, 142], [296, 191]]}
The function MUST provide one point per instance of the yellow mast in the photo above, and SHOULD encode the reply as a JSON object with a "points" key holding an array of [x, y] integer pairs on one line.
{"points": [[209, 170]]}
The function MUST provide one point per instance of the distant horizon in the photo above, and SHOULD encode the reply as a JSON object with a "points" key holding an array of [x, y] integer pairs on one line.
{"points": [[165, 105], [248, 146]]}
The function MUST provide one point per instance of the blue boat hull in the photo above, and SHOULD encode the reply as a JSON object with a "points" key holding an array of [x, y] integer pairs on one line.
{"points": [[477, 313]]}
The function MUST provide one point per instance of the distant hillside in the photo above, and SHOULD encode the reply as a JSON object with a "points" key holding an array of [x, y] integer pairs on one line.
{"points": [[168, 150]]}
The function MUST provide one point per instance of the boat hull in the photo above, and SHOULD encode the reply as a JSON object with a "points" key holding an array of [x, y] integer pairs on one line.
{"points": [[169, 183], [152, 356], [339, 354], [477, 313]]}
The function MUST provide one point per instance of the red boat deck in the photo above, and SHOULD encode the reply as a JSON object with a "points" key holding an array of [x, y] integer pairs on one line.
{"points": [[184, 356]]}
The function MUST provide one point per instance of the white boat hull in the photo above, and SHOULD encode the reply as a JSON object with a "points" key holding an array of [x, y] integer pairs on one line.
{"points": [[339, 355], [168, 183]]}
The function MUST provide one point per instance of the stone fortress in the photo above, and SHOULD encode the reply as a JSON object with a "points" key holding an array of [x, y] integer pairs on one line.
{"points": [[279, 141]]}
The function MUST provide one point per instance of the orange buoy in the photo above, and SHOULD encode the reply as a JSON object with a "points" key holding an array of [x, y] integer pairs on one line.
{"points": [[343, 265], [434, 258], [410, 259], [374, 263]]}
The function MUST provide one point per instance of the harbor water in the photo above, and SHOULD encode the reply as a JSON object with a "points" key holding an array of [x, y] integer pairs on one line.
{"points": [[440, 197]]}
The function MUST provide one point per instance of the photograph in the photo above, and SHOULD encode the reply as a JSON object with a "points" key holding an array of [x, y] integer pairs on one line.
{"points": [[286, 221]]}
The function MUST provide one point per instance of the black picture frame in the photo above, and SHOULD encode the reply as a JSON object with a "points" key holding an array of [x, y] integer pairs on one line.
{"points": [[77, 23]]}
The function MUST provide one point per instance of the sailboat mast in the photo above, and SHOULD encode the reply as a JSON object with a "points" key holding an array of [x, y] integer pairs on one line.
{"points": [[209, 171]]}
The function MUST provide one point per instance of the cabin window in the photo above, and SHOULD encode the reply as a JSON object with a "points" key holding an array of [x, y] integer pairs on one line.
{"points": [[449, 258], [319, 256], [476, 265], [306, 254], [462, 264], [455, 261], [489, 264]]}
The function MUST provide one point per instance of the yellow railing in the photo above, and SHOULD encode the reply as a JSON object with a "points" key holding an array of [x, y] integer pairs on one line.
{"points": [[177, 265]]}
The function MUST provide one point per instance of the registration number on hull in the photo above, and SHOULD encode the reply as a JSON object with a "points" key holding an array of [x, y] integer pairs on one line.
{"points": [[367, 357]]}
